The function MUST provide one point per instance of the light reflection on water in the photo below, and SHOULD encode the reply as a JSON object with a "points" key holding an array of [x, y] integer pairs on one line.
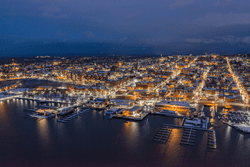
{"points": [[146, 127], [227, 138], [94, 113], [131, 127], [42, 129], [132, 133], [175, 137], [79, 140], [241, 139]]}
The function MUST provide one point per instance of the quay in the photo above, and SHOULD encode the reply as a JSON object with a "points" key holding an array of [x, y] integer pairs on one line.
{"points": [[8, 97], [144, 116], [131, 118], [50, 101], [240, 127], [220, 103], [177, 126], [42, 100], [168, 115]]}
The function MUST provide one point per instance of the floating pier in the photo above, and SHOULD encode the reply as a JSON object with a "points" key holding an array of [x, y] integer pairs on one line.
{"points": [[211, 141], [163, 134], [188, 137]]}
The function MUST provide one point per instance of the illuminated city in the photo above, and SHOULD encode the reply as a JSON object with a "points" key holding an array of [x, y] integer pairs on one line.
{"points": [[132, 87], [124, 83], [180, 87]]}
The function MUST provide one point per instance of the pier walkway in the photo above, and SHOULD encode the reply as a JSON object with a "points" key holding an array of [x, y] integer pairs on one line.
{"points": [[163, 134], [211, 141], [188, 137]]}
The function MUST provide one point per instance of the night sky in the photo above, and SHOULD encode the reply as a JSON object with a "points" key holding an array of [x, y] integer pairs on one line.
{"points": [[124, 27]]}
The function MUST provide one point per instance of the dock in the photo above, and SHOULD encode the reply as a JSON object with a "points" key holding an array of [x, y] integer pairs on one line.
{"points": [[40, 100], [131, 118], [188, 137], [211, 141], [247, 130], [163, 134], [8, 97], [168, 115], [195, 128]]}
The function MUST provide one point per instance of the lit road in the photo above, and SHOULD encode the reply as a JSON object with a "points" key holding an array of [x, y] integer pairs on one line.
{"points": [[239, 84]]}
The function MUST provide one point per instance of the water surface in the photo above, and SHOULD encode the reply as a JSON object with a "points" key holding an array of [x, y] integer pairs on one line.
{"points": [[94, 140]]}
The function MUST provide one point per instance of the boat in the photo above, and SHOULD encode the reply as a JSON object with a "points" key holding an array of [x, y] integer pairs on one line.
{"points": [[65, 111], [40, 115], [111, 111]]}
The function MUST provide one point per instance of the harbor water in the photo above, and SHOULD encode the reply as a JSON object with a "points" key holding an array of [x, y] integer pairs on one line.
{"points": [[92, 139]]}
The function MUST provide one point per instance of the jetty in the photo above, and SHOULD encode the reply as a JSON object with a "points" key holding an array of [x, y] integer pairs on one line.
{"points": [[163, 134], [188, 137], [211, 141]]}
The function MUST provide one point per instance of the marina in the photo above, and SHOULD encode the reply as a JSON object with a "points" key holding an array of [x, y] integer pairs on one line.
{"points": [[195, 128], [81, 131]]}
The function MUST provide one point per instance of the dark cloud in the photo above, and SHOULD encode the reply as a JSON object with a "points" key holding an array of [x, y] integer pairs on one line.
{"points": [[158, 24]]}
